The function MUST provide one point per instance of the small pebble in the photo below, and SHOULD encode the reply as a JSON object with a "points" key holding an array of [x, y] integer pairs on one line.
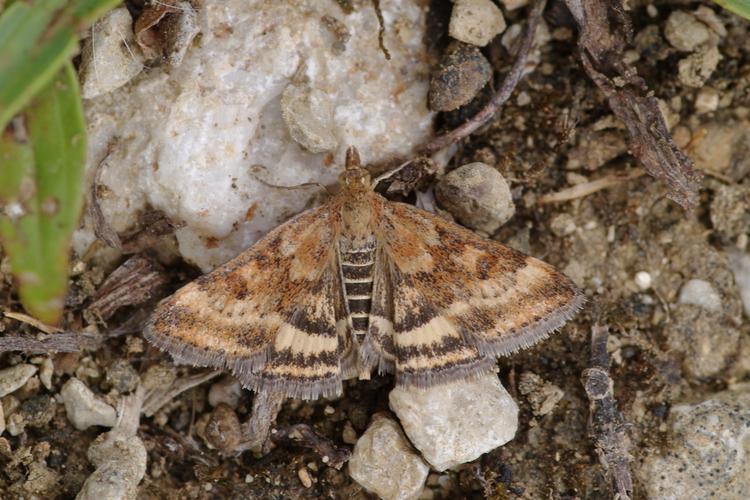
{"points": [[684, 32], [223, 431], [440, 427], [707, 100], [13, 378], [477, 195], [730, 211], [740, 265], [697, 68], [349, 435], [475, 22], [114, 60], [700, 293], [514, 4], [643, 280], [384, 462], [563, 225], [543, 396], [463, 71], [308, 115], [46, 370], [84, 408], [706, 452], [2, 418], [122, 376], [304, 477]]}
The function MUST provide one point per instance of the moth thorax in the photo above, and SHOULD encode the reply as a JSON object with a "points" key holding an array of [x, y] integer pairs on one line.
{"points": [[357, 222]]}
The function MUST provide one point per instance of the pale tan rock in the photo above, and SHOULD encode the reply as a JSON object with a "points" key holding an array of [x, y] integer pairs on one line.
{"points": [[384, 462], [476, 21]]}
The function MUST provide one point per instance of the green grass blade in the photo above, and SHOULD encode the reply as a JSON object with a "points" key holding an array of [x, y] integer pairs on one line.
{"points": [[42, 174], [35, 41], [739, 7]]}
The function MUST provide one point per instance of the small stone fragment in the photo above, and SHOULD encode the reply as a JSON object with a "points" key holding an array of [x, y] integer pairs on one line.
{"points": [[37, 411], [708, 342], [643, 280], [13, 378], [694, 70], [46, 370], [120, 465], [730, 211], [178, 33], [2, 418], [563, 225], [740, 264], [227, 390], [455, 423], [384, 462], [475, 21], [463, 71], [543, 396], [83, 407], [304, 477], [122, 376], [514, 4], [308, 115], [223, 431], [110, 58], [708, 451], [707, 100], [700, 293], [684, 31], [477, 195]]}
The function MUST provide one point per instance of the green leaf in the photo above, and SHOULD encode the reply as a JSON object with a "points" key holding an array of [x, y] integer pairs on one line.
{"points": [[36, 39], [739, 7], [41, 178]]}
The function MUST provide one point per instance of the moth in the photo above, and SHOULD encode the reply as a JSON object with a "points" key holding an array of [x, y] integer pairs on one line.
{"points": [[358, 284]]}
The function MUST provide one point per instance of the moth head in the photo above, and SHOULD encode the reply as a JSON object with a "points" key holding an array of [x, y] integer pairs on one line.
{"points": [[355, 177]]}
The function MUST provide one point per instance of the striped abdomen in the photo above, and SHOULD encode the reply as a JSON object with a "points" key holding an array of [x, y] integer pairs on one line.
{"points": [[357, 268]]}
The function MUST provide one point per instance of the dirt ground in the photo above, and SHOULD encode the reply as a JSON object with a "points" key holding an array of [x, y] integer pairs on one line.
{"points": [[555, 132]]}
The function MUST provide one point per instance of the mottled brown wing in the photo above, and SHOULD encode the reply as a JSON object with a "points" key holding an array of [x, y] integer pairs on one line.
{"points": [[460, 300], [273, 315]]}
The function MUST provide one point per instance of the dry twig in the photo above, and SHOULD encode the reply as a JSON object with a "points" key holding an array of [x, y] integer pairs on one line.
{"points": [[255, 431], [587, 188], [56, 342], [606, 423], [604, 29], [133, 283]]}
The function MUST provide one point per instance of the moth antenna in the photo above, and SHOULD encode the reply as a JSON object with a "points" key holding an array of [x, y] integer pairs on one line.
{"points": [[352, 158], [295, 187]]}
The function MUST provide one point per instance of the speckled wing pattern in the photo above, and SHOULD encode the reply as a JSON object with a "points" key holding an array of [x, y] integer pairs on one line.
{"points": [[273, 315], [455, 301]]}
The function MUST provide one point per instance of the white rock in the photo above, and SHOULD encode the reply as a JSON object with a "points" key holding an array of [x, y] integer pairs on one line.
{"points": [[643, 280], [740, 265], [708, 451], [384, 462], [308, 115], [684, 32], [192, 141], [707, 100], [477, 195], [83, 408], [110, 57], [455, 423], [120, 457], [700, 293], [13, 378], [475, 21]]}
